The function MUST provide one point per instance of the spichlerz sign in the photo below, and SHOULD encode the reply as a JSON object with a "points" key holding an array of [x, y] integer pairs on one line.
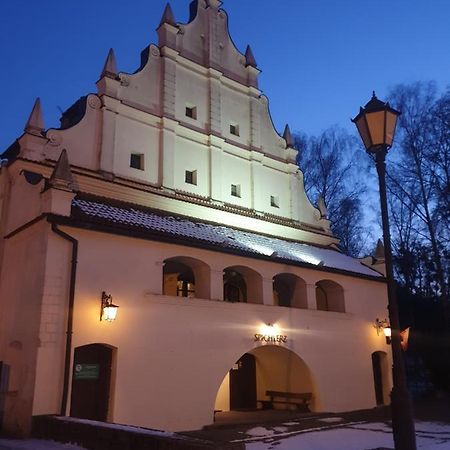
{"points": [[268, 338]]}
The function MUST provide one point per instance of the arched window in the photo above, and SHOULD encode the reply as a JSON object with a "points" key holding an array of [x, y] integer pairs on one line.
{"points": [[234, 286], [186, 277], [242, 284], [289, 290], [329, 296]]}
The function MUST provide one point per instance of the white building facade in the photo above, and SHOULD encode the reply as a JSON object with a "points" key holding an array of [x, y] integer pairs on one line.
{"points": [[170, 190]]}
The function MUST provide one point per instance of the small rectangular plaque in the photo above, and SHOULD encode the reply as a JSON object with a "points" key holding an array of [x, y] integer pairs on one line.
{"points": [[86, 371]]}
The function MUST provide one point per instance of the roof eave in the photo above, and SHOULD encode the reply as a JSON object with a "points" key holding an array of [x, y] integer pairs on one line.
{"points": [[100, 226]]}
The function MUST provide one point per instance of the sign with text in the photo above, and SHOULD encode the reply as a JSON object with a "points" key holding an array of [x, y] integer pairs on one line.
{"points": [[86, 371], [269, 338]]}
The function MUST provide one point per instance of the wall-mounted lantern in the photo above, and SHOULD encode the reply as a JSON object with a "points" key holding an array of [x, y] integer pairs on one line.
{"points": [[384, 327], [269, 329], [109, 310]]}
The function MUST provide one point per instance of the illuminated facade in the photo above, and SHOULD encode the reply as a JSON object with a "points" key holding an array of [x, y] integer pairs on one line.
{"points": [[171, 191]]}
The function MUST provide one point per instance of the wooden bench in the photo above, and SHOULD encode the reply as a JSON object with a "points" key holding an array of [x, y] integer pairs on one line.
{"points": [[300, 399]]}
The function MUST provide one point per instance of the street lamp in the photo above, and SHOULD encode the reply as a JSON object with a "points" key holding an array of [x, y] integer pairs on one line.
{"points": [[376, 125]]}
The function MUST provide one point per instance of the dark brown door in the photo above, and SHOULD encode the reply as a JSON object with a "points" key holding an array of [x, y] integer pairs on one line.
{"points": [[91, 382], [377, 377], [243, 383], [4, 381]]}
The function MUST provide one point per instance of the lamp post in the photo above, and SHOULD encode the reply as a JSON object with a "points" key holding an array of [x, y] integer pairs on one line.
{"points": [[376, 125]]}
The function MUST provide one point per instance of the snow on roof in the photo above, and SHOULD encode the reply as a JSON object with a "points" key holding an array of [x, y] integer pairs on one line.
{"points": [[217, 236]]}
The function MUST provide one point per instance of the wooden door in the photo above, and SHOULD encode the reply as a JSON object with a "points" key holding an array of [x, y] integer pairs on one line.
{"points": [[243, 383], [4, 382], [91, 382], [378, 377]]}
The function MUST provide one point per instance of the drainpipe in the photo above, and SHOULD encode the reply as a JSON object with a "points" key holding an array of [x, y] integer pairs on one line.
{"points": [[69, 330]]}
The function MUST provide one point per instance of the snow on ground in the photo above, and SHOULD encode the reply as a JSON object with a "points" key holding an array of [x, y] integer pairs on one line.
{"points": [[331, 419], [356, 436], [259, 431], [350, 436], [117, 426], [35, 444]]}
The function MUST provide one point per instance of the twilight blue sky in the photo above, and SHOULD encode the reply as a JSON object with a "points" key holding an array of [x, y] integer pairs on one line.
{"points": [[320, 58]]}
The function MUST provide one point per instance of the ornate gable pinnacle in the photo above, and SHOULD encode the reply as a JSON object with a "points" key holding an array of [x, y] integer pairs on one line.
{"points": [[287, 136], [61, 178], [110, 68], [168, 16], [214, 3], [249, 57], [35, 123], [322, 207], [379, 250]]}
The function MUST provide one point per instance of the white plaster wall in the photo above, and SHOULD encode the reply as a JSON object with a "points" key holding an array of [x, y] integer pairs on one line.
{"points": [[191, 156], [24, 194], [21, 286], [145, 141], [236, 170], [268, 181], [272, 143], [82, 141], [53, 326], [223, 395], [173, 353], [192, 90], [142, 89], [235, 110]]}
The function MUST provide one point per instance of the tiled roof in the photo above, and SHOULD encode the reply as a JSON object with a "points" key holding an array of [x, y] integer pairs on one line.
{"points": [[218, 237]]}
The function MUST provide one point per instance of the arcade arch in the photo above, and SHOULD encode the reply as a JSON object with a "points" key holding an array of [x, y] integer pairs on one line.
{"points": [[242, 284], [184, 276], [289, 290], [330, 296], [265, 368]]}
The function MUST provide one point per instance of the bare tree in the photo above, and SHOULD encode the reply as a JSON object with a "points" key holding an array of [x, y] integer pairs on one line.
{"points": [[419, 179], [331, 164]]}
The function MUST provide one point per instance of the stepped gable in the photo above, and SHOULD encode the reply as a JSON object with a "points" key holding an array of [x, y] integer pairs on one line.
{"points": [[206, 40]]}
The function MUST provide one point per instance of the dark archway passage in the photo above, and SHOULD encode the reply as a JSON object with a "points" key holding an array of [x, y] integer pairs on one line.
{"points": [[264, 368], [91, 382], [243, 383]]}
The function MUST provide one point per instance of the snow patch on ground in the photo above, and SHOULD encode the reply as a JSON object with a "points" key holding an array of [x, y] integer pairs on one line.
{"points": [[356, 436], [35, 444], [259, 432], [117, 426], [433, 427], [331, 419], [374, 427]]}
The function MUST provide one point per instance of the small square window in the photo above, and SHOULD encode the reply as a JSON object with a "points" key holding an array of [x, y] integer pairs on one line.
{"points": [[234, 129], [236, 190], [137, 161], [190, 177], [191, 111], [274, 201]]}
